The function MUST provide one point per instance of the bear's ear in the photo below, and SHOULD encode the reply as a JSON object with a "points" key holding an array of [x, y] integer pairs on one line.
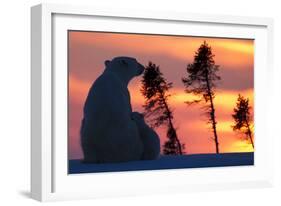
{"points": [[106, 63]]}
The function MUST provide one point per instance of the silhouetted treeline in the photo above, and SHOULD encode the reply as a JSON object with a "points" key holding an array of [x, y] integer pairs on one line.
{"points": [[201, 80]]}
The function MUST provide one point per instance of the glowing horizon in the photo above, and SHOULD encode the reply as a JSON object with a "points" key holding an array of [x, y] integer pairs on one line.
{"points": [[89, 50]]}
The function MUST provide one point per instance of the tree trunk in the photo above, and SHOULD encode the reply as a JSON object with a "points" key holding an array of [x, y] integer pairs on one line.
{"points": [[249, 132], [214, 125], [172, 126], [212, 114], [176, 136]]}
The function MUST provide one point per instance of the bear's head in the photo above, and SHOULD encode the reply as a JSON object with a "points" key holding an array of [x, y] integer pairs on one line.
{"points": [[126, 68]]}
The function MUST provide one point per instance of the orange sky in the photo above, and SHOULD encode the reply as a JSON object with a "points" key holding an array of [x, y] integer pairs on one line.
{"points": [[89, 50]]}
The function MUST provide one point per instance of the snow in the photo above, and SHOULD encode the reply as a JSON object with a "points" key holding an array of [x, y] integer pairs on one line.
{"points": [[167, 162]]}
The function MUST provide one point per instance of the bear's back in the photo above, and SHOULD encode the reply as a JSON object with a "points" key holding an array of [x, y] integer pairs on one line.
{"points": [[108, 132], [107, 97]]}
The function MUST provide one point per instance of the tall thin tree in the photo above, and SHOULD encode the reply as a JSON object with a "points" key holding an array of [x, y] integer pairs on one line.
{"points": [[201, 81], [158, 112], [242, 118]]}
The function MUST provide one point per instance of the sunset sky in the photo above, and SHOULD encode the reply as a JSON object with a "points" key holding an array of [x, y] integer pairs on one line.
{"points": [[89, 50]]}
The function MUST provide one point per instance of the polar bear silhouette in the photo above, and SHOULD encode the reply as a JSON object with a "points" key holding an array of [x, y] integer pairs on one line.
{"points": [[110, 131]]}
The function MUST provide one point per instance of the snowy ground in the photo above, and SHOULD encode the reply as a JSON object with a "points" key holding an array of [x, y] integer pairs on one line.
{"points": [[167, 162]]}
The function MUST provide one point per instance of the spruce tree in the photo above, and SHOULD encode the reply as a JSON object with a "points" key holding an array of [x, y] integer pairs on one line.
{"points": [[155, 89], [201, 81], [242, 118]]}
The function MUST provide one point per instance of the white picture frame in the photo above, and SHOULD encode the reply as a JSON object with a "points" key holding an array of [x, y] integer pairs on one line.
{"points": [[49, 178]]}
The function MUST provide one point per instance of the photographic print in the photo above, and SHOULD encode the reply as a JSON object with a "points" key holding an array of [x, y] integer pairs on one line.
{"points": [[150, 102]]}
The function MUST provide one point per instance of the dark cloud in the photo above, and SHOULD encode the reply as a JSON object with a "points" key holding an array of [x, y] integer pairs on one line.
{"points": [[87, 62]]}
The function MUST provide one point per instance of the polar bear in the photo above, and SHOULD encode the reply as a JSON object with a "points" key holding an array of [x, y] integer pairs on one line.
{"points": [[110, 131]]}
